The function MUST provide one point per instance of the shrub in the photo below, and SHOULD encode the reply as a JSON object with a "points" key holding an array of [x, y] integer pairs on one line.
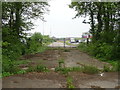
{"points": [[9, 65], [83, 47], [102, 51], [37, 43], [12, 50], [5, 74], [115, 66]]}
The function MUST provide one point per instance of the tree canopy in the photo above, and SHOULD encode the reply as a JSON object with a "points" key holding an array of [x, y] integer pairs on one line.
{"points": [[16, 19], [104, 19]]}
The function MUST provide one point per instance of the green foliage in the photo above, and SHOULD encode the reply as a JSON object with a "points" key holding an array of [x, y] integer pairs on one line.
{"points": [[37, 43], [83, 47], [21, 72], [105, 33], [38, 68], [5, 74], [18, 62], [106, 68], [34, 43], [70, 83], [66, 50], [76, 69], [12, 50], [47, 40], [14, 25], [41, 68], [30, 69], [102, 51], [9, 66], [62, 70], [85, 69], [61, 62], [90, 69], [115, 66]]}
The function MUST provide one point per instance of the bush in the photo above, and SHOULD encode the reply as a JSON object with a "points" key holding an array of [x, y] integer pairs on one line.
{"points": [[5, 74], [12, 50], [83, 47], [115, 66], [99, 50], [9, 66], [37, 43]]}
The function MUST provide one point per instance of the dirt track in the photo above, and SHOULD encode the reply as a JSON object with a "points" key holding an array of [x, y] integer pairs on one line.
{"points": [[72, 57]]}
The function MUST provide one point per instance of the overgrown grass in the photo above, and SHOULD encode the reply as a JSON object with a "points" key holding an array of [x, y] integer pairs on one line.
{"points": [[90, 69], [12, 50], [85, 69], [10, 67], [102, 52], [38, 68]]}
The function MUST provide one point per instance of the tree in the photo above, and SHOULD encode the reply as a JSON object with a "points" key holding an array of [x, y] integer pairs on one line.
{"points": [[104, 22], [16, 19]]}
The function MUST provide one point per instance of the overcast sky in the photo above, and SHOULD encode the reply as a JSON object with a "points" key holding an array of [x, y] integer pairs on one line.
{"points": [[59, 21]]}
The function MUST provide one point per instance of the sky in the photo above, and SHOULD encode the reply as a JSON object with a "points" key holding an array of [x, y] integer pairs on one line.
{"points": [[59, 22]]}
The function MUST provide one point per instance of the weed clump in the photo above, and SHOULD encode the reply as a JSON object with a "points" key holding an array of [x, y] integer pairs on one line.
{"points": [[70, 83], [38, 68], [90, 69], [61, 63], [66, 50]]}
